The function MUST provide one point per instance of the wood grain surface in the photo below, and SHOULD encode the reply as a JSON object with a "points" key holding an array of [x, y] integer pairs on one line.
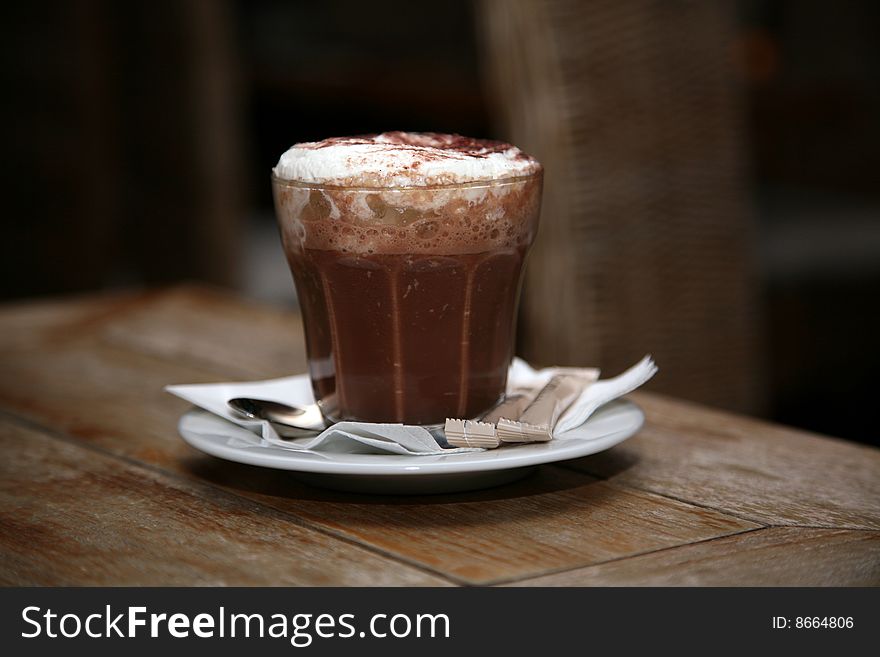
{"points": [[773, 556], [546, 522], [756, 470], [73, 516], [698, 496]]}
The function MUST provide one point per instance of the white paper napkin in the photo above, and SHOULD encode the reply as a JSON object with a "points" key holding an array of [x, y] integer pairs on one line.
{"points": [[602, 392], [350, 437]]}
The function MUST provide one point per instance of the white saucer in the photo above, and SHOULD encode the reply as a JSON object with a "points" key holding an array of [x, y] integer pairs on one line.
{"points": [[395, 474]]}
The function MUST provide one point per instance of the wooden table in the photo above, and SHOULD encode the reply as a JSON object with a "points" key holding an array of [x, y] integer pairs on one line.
{"points": [[97, 487]]}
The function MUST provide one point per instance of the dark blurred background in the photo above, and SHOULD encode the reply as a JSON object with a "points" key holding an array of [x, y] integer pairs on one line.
{"points": [[712, 168]]}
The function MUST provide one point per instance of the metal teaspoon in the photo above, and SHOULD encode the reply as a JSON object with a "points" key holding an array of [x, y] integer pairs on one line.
{"points": [[304, 418]]}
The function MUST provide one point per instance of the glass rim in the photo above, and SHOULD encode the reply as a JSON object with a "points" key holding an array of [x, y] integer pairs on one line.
{"points": [[475, 184]]}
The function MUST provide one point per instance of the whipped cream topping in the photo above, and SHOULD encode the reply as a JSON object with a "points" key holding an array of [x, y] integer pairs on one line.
{"points": [[403, 159]]}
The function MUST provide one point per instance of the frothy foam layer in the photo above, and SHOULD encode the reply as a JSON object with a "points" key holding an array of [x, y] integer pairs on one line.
{"points": [[403, 159], [442, 221]]}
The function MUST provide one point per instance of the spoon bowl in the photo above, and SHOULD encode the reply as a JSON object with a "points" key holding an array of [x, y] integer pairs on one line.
{"points": [[300, 418]]}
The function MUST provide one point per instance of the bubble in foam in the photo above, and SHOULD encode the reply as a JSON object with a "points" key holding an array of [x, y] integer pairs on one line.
{"points": [[408, 216], [377, 206], [317, 208], [426, 229]]}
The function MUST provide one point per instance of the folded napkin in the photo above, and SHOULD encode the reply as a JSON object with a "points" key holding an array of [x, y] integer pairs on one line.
{"points": [[602, 392], [349, 437]]}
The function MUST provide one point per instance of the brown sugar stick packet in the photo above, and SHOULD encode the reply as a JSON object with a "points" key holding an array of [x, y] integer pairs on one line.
{"points": [[512, 406], [481, 433], [470, 433], [536, 422]]}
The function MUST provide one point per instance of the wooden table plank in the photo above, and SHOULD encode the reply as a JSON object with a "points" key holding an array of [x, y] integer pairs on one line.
{"points": [[775, 556], [550, 521], [26, 324], [73, 516], [743, 466], [116, 358], [112, 398], [200, 326]]}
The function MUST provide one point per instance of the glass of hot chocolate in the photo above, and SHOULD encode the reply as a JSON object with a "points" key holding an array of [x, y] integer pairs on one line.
{"points": [[407, 251]]}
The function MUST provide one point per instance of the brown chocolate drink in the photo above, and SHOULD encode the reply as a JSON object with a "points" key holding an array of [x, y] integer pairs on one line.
{"points": [[408, 291]]}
